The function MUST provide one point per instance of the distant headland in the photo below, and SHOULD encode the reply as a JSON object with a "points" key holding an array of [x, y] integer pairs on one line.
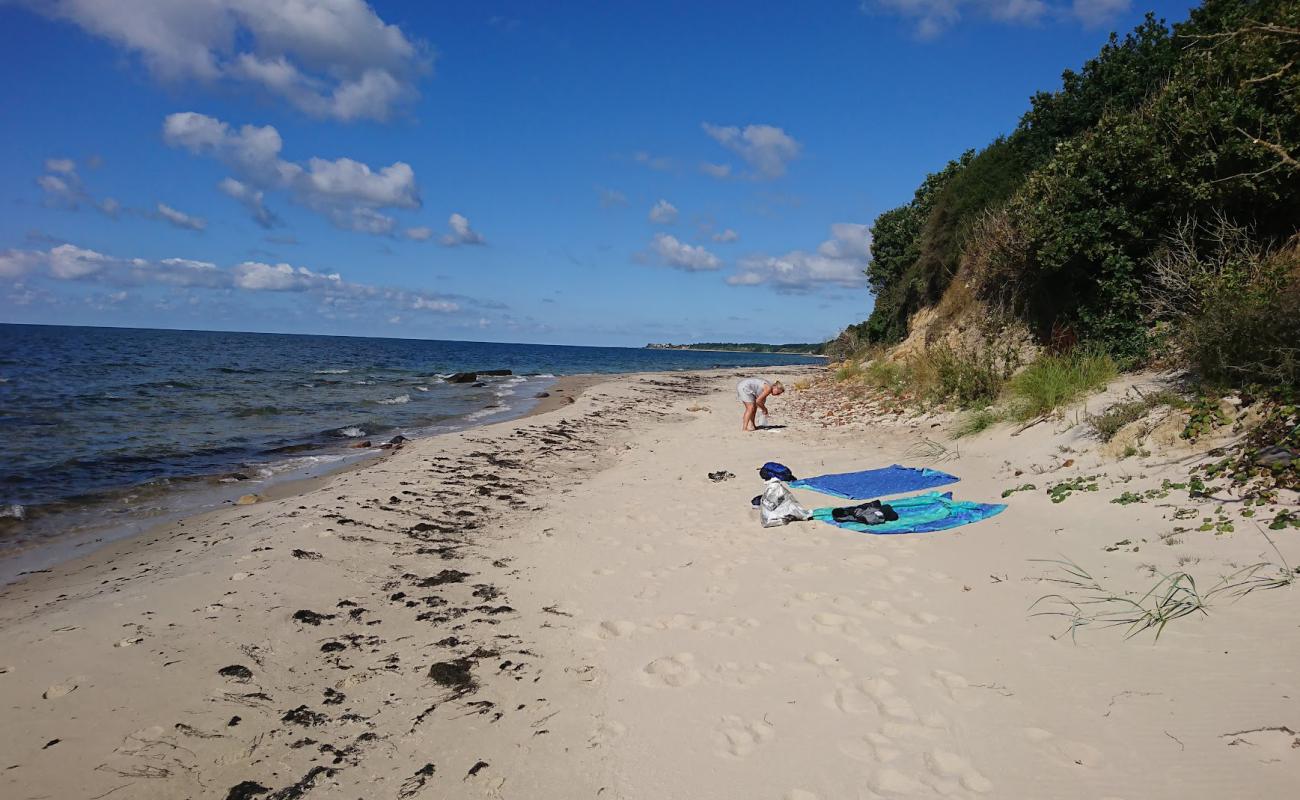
{"points": [[744, 347]]}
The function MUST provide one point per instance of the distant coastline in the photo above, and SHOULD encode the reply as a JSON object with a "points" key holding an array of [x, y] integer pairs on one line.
{"points": [[807, 349]]}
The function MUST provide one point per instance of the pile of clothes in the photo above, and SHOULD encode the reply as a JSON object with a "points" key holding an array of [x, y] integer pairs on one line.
{"points": [[930, 511]]}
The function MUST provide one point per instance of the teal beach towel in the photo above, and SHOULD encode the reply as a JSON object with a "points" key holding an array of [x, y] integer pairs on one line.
{"points": [[873, 483], [922, 514]]}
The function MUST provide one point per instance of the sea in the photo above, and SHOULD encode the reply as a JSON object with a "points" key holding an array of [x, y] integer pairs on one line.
{"points": [[106, 431]]}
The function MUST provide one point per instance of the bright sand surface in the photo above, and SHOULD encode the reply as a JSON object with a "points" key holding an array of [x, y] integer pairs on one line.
{"points": [[565, 606]]}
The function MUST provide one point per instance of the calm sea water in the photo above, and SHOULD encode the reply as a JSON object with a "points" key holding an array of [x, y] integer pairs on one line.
{"points": [[121, 415]]}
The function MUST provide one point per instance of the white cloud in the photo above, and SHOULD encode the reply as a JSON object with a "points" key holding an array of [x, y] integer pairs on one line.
{"points": [[329, 58], [461, 232], [716, 170], [64, 165], [766, 148], [180, 219], [69, 263], [419, 234], [933, 17], [657, 163], [611, 198], [680, 255], [1094, 13], [726, 236], [347, 192], [664, 213], [251, 199], [838, 261]]}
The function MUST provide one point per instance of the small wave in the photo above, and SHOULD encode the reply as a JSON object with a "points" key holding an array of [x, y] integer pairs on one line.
{"points": [[351, 432], [365, 383], [422, 388], [13, 511], [332, 371], [395, 401], [256, 411]]}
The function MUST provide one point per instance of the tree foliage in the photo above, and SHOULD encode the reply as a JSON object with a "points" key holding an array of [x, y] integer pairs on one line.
{"points": [[1062, 220]]}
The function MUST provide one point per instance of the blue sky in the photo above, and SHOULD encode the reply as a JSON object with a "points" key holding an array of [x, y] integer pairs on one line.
{"points": [[587, 173]]}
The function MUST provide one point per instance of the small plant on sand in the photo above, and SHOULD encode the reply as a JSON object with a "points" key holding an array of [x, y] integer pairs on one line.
{"points": [[802, 385], [1084, 483], [1055, 380], [1026, 487], [1109, 422], [1174, 596], [848, 371], [974, 422]]}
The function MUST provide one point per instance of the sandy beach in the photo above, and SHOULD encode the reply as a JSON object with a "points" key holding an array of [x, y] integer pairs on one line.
{"points": [[565, 606]]}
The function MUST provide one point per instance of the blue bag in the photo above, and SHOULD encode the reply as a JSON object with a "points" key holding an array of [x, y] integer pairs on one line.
{"points": [[772, 470]]}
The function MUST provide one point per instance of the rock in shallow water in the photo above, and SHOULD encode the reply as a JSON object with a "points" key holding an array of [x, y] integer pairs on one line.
{"points": [[248, 499]]}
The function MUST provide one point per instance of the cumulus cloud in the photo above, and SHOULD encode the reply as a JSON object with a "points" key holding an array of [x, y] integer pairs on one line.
{"points": [[664, 213], [933, 17], [726, 236], [766, 148], [329, 58], [838, 261], [461, 233], [680, 255], [347, 192], [251, 199], [69, 263], [180, 219]]}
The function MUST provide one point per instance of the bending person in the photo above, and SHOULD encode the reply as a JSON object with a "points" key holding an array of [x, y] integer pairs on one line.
{"points": [[753, 393]]}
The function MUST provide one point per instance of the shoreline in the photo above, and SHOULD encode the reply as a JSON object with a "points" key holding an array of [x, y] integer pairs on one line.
{"points": [[558, 606], [43, 555]]}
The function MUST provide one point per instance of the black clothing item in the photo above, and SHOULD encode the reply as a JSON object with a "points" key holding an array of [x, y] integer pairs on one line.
{"points": [[872, 513]]}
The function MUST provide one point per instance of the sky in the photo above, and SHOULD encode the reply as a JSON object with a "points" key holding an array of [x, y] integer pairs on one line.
{"points": [[577, 173]]}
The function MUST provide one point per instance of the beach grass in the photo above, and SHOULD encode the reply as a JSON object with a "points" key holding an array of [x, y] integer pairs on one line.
{"points": [[1056, 380]]}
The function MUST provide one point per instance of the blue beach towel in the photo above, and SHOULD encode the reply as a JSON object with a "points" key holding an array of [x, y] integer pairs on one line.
{"points": [[876, 482], [921, 514]]}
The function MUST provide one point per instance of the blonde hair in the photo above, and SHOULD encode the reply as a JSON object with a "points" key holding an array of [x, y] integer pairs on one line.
{"points": [[778, 385]]}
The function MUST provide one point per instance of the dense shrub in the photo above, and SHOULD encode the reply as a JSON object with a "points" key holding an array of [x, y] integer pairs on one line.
{"points": [[1232, 305], [1063, 221]]}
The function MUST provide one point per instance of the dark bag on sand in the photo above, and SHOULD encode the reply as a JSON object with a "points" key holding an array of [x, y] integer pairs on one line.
{"points": [[772, 470], [872, 513]]}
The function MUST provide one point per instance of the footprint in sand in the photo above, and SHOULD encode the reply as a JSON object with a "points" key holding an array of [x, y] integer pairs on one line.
{"points": [[892, 782], [742, 675], [954, 767], [58, 690], [911, 644], [739, 738], [870, 561], [829, 665], [1067, 751], [612, 629], [605, 733], [671, 671], [870, 749]]}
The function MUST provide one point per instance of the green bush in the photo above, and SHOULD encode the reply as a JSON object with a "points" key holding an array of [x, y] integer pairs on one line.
{"points": [[1053, 381]]}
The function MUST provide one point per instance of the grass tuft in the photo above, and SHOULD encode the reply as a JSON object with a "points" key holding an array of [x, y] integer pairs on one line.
{"points": [[974, 422], [1055, 380]]}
